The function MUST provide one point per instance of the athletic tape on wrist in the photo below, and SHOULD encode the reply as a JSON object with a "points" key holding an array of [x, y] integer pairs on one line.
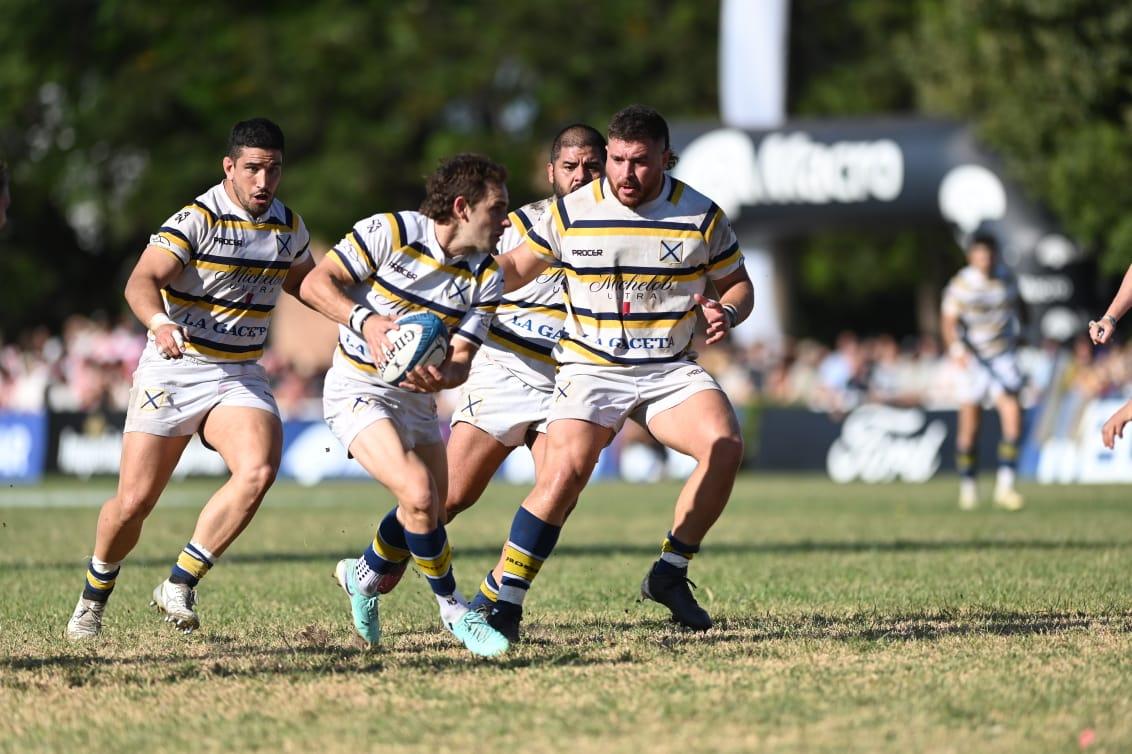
{"points": [[358, 316]]}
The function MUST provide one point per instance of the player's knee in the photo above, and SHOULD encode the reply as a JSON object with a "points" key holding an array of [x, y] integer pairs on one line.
{"points": [[726, 451], [135, 505], [256, 478]]}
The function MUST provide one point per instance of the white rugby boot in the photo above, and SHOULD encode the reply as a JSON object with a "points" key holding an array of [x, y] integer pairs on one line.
{"points": [[86, 621], [177, 601]]}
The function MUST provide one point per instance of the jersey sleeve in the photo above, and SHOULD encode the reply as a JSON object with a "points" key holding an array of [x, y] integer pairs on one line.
{"points": [[950, 305], [302, 240], [724, 255], [545, 234], [365, 247], [183, 234], [489, 293]]}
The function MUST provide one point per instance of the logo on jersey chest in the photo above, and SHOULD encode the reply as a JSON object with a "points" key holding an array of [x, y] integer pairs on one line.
{"points": [[283, 244], [459, 291], [671, 252]]}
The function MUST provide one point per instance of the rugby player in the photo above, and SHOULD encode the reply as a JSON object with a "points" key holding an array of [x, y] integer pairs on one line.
{"points": [[438, 260], [980, 330], [205, 287], [638, 249]]}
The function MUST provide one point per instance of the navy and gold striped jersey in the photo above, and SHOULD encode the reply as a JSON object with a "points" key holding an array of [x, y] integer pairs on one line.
{"points": [[530, 319], [631, 273], [398, 268], [986, 309], [234, 267]]}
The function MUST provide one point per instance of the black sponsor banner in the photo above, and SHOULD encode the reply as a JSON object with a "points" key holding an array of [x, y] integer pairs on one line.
{"points": [[872, 443]]}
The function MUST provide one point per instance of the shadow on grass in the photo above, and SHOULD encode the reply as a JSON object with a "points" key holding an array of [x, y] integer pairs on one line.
{"points": [[608, 549], [547, 643]]}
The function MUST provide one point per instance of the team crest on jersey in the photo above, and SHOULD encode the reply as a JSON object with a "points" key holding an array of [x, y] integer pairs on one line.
{"points": [[671, 252], [283, 244], [154, 399], [459, 290]]}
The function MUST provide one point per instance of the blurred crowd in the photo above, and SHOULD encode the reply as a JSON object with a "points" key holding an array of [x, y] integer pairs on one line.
{"points": [[88, 366]]}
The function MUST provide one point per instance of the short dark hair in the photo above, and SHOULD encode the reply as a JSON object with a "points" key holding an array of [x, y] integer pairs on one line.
{"points": [[257, 133], [638, 123], [577, 135], [983, 238], [641, 123], [465, 175]]}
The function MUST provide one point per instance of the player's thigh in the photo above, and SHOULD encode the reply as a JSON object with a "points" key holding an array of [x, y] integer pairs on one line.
{"points": [[572, 450], [473, 457], [246, 438], [382, 452], [695, 425], [433, 456], [147, 464]]}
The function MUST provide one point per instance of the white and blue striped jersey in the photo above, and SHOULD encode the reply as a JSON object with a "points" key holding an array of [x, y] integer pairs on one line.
{"points": [[631, 273], [986, 309], [234, 267], [530, 319], [398, 268]]}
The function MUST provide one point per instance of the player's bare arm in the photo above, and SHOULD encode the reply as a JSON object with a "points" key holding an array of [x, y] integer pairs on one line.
{"points": [[735, 303], [156, 269], [324, 290], [1101, 330], [452, 373], [949, 332], [293, 283], [520, 266]]}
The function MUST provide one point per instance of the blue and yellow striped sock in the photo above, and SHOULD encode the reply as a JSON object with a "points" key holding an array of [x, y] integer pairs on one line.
{"points": [[1008, 453], [675, 555], [487, 594], [530, 543], [192, 564], [433, 557], [386, 553], [100, 579], [965, 463]]}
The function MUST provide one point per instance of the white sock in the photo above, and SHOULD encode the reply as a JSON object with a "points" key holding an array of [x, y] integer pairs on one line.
{"points": [[1005, 480], [452, 607], [675, 559], [968, 487], [103, 567]]}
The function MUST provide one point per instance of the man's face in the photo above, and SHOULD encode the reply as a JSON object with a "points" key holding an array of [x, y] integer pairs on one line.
{"points": [[981, 257], [253, 177], [636, 170], [574, 168], [480, 225]]}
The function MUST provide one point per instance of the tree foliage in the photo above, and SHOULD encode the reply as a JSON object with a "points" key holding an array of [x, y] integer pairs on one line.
{"points": [[115, 113]]}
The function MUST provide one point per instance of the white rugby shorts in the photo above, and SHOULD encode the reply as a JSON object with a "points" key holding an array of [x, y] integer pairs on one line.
{"points": [[350, 405], [608, 395], [171, 398], [496, 401], [987, 379]]}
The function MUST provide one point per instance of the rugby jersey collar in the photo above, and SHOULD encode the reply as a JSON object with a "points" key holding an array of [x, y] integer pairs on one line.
{"points": [[432, 244]]}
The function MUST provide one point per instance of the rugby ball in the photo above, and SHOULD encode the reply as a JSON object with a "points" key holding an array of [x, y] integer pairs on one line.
{"points": [[420, 339]]}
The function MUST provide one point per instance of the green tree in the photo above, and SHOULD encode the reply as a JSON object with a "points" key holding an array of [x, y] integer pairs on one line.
{"points": [[114, 113]]}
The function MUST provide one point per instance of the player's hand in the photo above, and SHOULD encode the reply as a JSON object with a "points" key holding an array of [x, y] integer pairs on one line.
{"points": [[717, 321], [428, 379], [1101, 330], [1114, 427], [959, 355], [170, 341], [374, 330]]}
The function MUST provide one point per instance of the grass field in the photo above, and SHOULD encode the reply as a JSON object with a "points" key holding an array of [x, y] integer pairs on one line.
{"points": [[853, 618]]}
